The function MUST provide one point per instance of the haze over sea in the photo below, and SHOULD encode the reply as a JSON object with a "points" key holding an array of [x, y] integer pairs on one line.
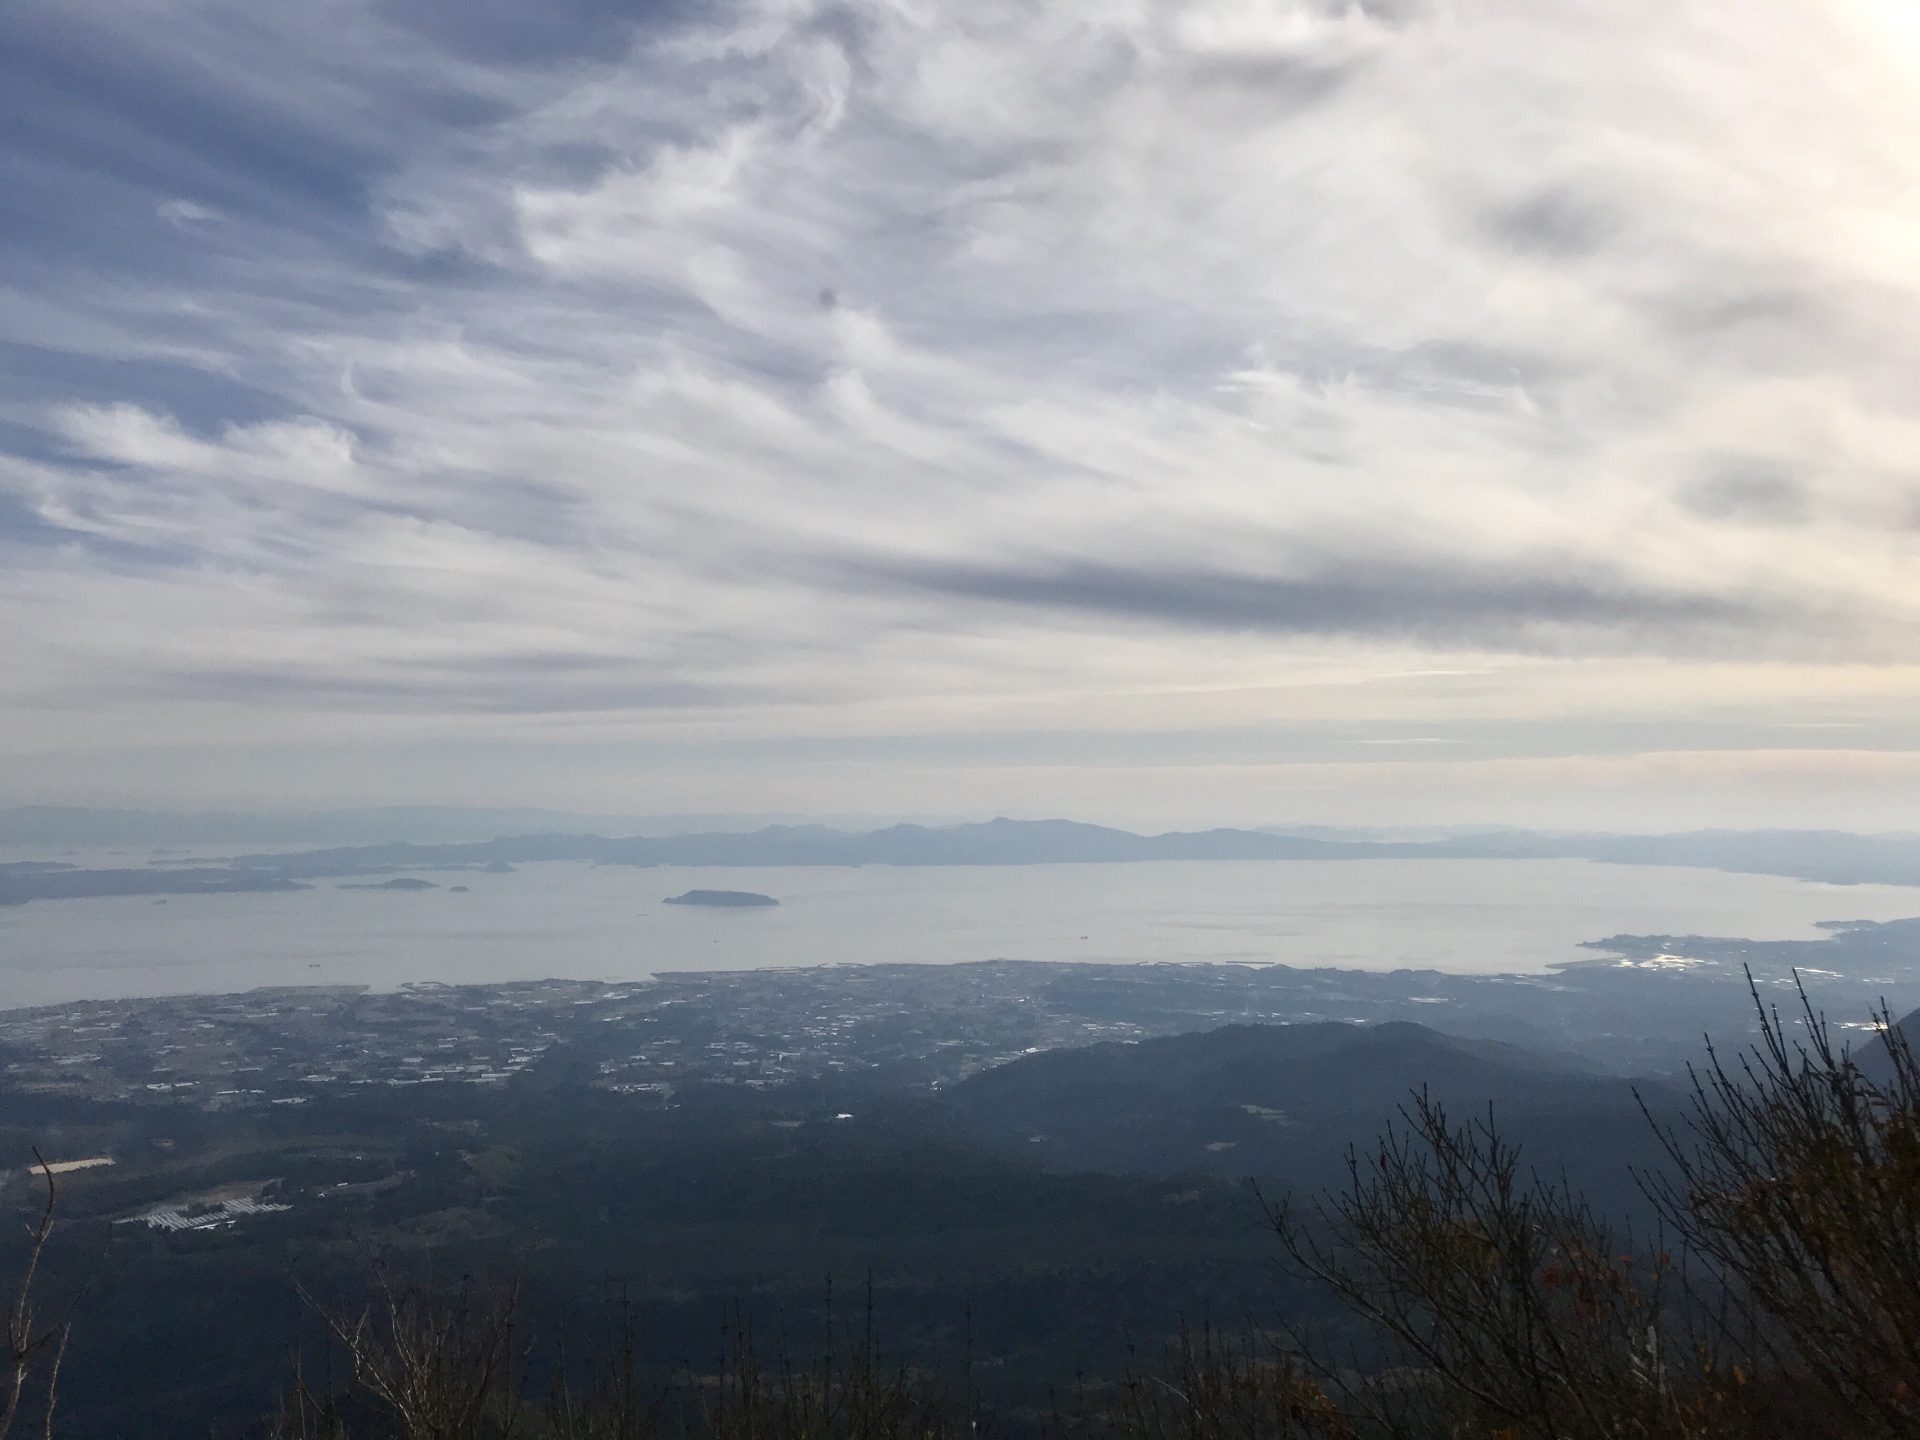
{"points": [[608, 923]]}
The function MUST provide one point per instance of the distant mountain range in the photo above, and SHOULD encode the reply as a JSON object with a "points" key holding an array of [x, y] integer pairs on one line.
{"points": [[1830, 856], [1804, 854], [997, 842]]}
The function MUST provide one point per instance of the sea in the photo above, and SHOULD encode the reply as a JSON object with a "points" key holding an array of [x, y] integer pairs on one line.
{"points": [[609, 923]]}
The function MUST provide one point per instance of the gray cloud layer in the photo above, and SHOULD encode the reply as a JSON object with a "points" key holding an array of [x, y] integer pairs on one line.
{"points": [[1374, 596], [810, 366]]}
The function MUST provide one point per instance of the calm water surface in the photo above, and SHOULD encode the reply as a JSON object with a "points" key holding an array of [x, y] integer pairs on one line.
{"points": [[608, 923]]}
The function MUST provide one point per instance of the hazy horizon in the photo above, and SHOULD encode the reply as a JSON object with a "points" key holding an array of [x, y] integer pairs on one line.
{"points": [[34, 826]]}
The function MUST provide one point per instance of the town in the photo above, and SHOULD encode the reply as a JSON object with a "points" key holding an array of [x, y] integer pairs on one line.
{"points": [[1638, 1009]]}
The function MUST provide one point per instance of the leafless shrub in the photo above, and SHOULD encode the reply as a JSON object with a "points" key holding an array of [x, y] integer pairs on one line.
{"points": [[1797, 1178], [1210, 1386], [32, 1349], [1520, 1313], [435, 1369], [1792, 1198], [838, 1394], [444, 1370], [608, 1402]]}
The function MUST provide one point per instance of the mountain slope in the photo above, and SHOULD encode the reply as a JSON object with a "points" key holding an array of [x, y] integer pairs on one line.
{"points": [[1873, 1058], [1289, 1100]]}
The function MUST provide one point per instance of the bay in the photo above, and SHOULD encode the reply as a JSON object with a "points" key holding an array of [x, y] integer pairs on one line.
{"points": [[584, 922]]}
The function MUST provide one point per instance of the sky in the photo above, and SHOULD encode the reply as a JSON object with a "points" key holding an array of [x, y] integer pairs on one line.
{"points": [[1237, 411]]}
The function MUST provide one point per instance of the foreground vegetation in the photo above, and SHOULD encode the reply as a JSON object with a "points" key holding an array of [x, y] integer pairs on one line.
{"points": [[1778, 1292]]}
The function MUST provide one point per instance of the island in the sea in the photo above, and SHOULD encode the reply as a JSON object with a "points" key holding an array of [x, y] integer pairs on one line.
{"points": [[403, 882], [722, 899]]}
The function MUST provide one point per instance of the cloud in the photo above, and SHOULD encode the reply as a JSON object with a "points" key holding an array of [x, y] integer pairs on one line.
{"points": [[1370, 597], [838, 365], [1555, 224], [1745, 493], [185, 213]]}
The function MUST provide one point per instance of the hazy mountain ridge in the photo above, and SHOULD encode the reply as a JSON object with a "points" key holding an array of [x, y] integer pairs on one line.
{"points": [[1826, 856], [995, 842], [1830, 856]]}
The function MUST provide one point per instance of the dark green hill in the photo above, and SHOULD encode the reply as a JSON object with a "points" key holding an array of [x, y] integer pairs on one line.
{"points": [[1288, 1100], [1872, 1057]]}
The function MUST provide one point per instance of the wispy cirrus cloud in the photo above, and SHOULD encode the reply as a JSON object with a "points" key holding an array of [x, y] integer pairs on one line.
{"points": [[787, 366]]}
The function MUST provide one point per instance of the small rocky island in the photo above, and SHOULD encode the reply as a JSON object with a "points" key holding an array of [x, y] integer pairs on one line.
{"points": [[404, 882], [723, 899]]}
